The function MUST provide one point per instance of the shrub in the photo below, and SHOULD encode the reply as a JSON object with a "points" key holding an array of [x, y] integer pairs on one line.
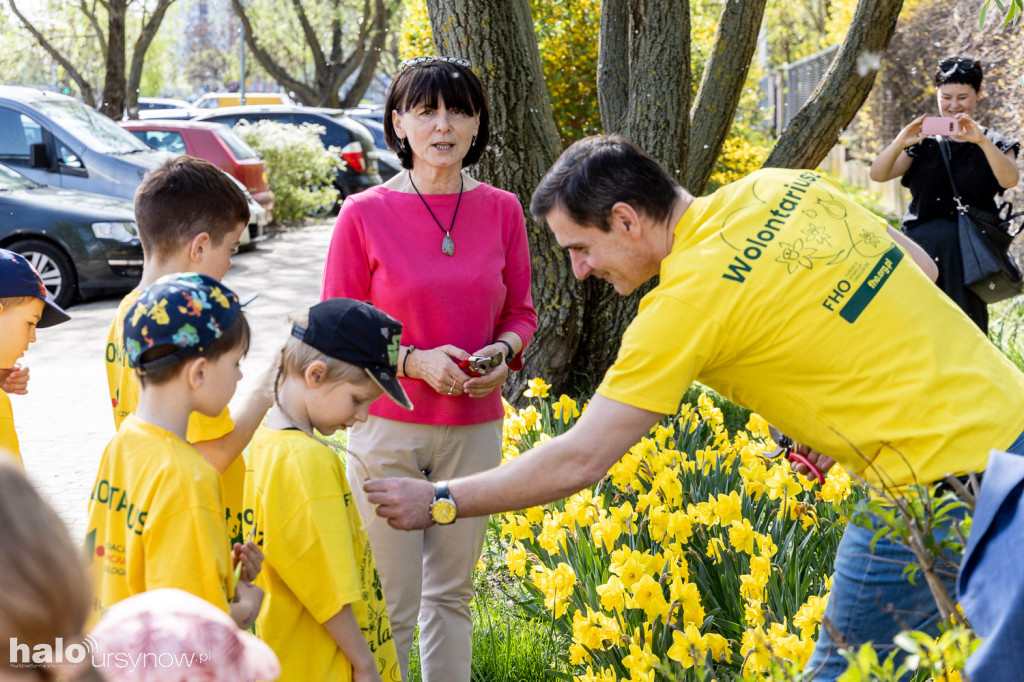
{"points": [[300, 170]]}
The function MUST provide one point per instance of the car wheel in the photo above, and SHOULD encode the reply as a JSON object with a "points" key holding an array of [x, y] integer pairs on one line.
{"points": [[53, 265]]}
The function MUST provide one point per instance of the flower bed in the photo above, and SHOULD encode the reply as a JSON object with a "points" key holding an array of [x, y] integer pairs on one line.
{"points": [[694, 555]]}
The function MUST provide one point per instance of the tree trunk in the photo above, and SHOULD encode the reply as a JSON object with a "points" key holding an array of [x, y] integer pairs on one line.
{"points": [[114, 85], [613, 65], [142, 43], [842, 90], [377, 38], [721, 87], [497, 36]]}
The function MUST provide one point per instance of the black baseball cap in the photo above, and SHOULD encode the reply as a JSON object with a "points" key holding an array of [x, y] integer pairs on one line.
{"points": [[18, 278], [359, 334]]}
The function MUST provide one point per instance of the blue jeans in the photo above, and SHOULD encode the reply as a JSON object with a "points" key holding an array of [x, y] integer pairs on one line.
{"points": [[991, 581], [872, 600]]}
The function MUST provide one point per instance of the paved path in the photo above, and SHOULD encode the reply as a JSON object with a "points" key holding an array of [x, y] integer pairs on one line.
{"points": [[65, 421]]}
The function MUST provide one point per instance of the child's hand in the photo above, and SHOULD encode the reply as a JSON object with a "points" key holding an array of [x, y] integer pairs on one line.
{"points": [[369, 675], [251, 558], [14, 380], [248, 600], [268, 377]]}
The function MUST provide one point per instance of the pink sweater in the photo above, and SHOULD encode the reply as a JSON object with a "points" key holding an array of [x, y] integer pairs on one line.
{"points": [[386, 249]]}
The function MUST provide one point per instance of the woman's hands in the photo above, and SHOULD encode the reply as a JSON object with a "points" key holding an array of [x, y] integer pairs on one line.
{"points": [[438, 367], [911, 133]]}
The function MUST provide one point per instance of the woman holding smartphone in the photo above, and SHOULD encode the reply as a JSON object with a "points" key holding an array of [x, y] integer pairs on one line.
{"points": [[984, 163]]}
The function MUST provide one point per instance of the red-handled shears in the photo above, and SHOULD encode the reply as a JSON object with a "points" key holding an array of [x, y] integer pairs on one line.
{"points": [[787, 446], [478, 365]]}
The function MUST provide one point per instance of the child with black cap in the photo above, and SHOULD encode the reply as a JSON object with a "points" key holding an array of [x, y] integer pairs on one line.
{"points": [[25, 306], [325, 616], [156, 513]]}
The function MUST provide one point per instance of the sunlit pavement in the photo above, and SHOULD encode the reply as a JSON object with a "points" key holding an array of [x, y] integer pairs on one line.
{"points": [[66, 420]]}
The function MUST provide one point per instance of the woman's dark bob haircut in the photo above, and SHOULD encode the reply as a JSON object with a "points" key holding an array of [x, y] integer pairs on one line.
{"points": [[426, 83]]}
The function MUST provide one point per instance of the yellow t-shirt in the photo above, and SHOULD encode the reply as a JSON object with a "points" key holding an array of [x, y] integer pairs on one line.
{"points": [[155, 520], [8, 436], [124, 399], [317, 558], [787, 297]]}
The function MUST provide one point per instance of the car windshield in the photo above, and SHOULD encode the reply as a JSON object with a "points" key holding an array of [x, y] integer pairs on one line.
{"points": [[238, 147], [91, 127], [9, 180]]}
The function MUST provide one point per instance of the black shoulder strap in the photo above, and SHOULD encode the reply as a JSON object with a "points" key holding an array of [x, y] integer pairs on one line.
{"points": [[944, 151]]}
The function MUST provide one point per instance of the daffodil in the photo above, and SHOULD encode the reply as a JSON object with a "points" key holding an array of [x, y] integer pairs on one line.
{"points": [[741, 536], [649, 596], [515, 559], [687, 646], [565, 409], [728, 508], [612, 594], [537, 388]]}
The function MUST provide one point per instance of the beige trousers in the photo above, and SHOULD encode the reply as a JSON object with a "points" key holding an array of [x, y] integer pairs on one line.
{"points": [[427, 575]]}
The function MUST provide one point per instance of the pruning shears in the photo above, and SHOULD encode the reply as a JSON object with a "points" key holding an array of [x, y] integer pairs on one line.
{"points": [[788, 447], [478, 365]]}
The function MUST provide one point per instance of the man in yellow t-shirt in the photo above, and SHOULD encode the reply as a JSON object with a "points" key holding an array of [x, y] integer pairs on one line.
{"points": [[155, 509], [785, 296], [200, 239]]}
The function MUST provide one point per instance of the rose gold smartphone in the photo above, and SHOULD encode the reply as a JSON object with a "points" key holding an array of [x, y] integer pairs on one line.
{"points": [[940, 125]]}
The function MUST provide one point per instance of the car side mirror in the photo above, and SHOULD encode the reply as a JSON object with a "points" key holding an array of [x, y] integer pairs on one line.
{"points": [[38, 156]]}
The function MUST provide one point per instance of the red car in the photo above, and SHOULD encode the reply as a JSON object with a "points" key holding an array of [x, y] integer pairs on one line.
{"points": [[214, 142]]}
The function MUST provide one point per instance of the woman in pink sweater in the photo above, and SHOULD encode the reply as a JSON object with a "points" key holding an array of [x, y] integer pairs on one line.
{"points": [[448, 257]]}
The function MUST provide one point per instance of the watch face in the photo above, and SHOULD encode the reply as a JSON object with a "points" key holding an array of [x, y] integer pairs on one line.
{"points": [[443, 511]]}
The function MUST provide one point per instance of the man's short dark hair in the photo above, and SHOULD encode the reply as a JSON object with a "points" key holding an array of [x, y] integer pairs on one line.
{"points": [[183, 198], [425, 83], [596, 173], [965, 70]]}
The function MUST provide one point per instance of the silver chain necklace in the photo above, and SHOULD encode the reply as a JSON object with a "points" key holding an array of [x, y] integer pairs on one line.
{"points": [[447, 244]]}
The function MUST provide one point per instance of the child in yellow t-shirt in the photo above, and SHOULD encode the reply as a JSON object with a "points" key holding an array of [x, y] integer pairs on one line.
{"points": [[24, 306], [325, 616], [155, 512], [190, 216]]}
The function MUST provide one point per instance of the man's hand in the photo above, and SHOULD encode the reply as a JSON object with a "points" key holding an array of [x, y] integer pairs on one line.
{"points": [[823, 462], [14, 380], [404, 502]]}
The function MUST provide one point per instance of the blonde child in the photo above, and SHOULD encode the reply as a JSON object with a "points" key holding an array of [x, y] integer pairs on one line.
{"points": [[325, 615], [24, 306], [190, 217], [155, 510]]}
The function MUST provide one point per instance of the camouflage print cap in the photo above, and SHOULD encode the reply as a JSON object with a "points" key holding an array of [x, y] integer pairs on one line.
{"points": [[187, 310]]}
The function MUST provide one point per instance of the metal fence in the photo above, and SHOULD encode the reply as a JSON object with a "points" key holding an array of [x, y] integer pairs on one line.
{"points": [[789, 87]]}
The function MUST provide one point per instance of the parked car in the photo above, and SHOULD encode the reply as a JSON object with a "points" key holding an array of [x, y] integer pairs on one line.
{"points": [[343, 132], [215, 100], [82, 244], [387, 161], [58, 140], [214, 142], [161, 107]]}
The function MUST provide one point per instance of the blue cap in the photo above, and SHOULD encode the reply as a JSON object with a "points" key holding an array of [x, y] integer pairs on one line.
{"points": [[18, 278], [188, 310]]}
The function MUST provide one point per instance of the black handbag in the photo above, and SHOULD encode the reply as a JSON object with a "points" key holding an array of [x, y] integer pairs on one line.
{"points": [[989, 270]]}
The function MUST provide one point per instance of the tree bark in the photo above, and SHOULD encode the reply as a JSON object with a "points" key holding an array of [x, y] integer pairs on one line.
{"points": [[721, 87], [114, 81], [842, 90], [84, 86], [148, 31], [497, 36], [613, 65], [368, 65]]}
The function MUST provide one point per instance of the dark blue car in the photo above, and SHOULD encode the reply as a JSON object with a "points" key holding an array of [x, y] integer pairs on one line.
{"points": [[83, 245]]}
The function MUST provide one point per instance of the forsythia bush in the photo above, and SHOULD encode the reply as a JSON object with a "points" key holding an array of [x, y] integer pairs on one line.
{"points": [[695, 555], [300, 170]]}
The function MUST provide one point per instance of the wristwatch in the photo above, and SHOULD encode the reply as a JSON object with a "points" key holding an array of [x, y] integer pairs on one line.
{"points": [[443, 510]]}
